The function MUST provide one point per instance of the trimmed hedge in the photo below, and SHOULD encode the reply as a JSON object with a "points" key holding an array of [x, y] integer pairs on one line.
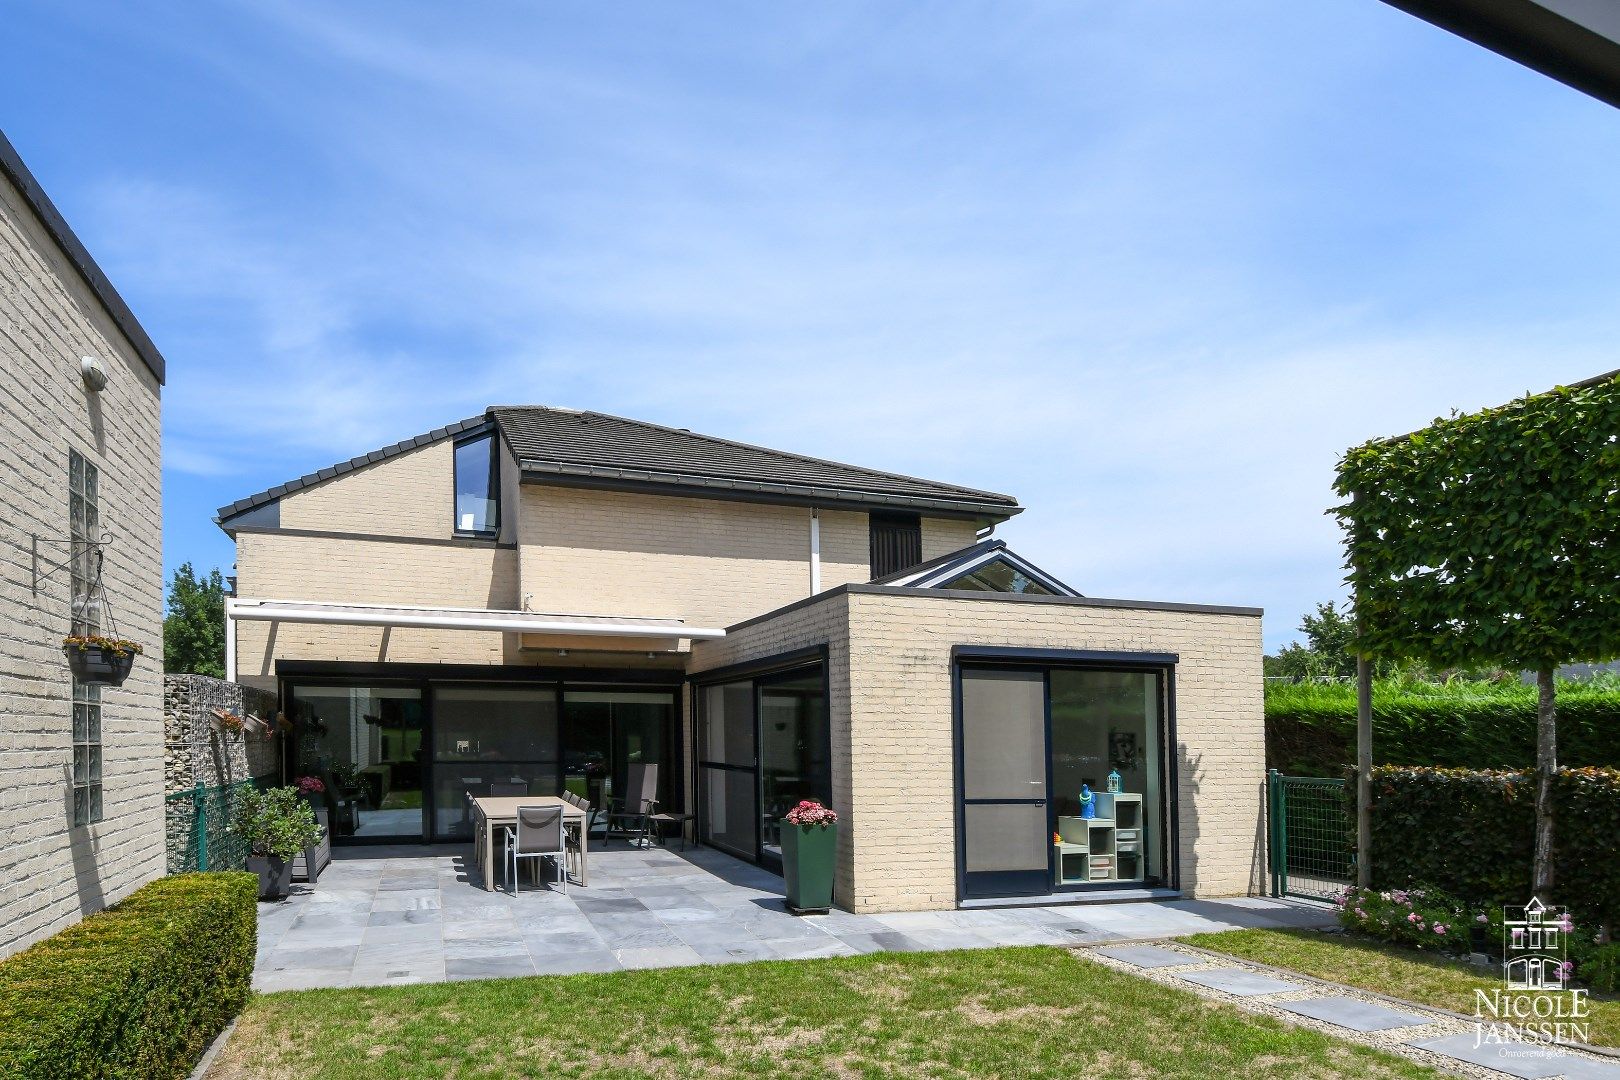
{"points": [[1311, 727], [136, 991], [1470, 833]]}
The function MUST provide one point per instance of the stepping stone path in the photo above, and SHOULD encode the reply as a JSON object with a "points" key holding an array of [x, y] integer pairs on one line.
{"points": [[1522, 1059], [1353, 1014], [1149, 956], [1240, 982], [1357, 1015]]}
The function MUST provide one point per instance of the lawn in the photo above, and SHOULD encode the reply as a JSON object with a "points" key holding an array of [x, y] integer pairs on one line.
{"points": [[1371, 965], [1015, 1012]]}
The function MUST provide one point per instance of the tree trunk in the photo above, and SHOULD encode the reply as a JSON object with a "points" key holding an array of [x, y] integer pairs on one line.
{"points": [[1546, 770]]}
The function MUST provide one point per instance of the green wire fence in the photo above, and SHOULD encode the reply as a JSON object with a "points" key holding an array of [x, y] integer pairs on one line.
{"points": [[1311, 834], [198, 823]]}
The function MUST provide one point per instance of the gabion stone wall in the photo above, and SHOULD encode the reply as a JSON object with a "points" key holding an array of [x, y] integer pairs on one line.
{"points": [[196, 751]]}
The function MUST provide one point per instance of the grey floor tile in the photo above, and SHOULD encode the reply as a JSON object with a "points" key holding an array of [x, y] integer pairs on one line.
{"points": [[1150, 956], [403, 933], [322, 959], [1239, 982], [1353, 1014], [270, 982], [577, 963], [800, 949], [884, 941], [635, 934], [407, 901], [676, 955], [735, 950], [410, 916], [484, 948], [488, 967], [566, 941]]}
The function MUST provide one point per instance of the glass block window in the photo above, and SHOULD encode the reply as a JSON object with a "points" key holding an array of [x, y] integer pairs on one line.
{"points": [[84, 528], [86, 753]]}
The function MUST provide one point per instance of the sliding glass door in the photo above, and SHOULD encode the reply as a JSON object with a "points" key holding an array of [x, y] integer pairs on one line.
{"points": [[764, 743], [364, 743], [1062, 778], [604, 732], [484, 735], [1004, 811]]}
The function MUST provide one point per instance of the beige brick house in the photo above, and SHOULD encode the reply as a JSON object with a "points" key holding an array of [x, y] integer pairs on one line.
{"points": [[81, 766], [548, 596]]}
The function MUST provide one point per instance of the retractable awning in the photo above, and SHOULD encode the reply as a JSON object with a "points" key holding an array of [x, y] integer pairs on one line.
{"points": [[516, 622]]}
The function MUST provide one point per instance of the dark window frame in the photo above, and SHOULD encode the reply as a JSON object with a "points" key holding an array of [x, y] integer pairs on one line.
{"points": [[757, 673], [894, 540], [492, 528], [1161, 665]]}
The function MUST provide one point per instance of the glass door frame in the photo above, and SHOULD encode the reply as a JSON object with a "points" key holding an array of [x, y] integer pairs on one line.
{"points": [[425, 677], [1161, 665], [782, 667]]}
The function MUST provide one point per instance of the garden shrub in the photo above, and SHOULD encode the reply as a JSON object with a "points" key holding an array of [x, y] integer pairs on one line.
{"points": [[1311, 727], [136, 991], [1470, 833]]}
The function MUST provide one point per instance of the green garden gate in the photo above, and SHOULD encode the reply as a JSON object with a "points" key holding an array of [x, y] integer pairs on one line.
{"points": [[1311, 834]]}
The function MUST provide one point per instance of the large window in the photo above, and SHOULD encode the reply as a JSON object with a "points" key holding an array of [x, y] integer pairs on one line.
{"points": [[477, 486], [604, 732], [763, 744], [84, 527], [485, 735], [896, 543], [1062, 777], [365, 744]]}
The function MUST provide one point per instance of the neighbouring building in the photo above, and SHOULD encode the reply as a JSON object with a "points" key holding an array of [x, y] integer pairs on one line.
{"points": [[81, 800], [547, 596]]}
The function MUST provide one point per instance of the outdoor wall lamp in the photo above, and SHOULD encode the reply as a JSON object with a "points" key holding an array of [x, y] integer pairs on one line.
{"points": [[94, 373]]}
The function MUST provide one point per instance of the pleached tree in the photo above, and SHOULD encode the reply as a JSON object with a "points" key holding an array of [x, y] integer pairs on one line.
{"points": [[1493, 539]]}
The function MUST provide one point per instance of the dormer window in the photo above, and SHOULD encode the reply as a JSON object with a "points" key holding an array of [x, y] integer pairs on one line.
{"points": [[478, 489]]}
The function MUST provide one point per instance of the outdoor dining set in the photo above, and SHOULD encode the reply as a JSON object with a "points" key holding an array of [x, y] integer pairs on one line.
{"points": [[514, 827]]}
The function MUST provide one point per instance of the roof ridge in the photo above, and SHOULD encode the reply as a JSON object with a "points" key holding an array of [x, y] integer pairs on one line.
{"points": [[993, 496]]}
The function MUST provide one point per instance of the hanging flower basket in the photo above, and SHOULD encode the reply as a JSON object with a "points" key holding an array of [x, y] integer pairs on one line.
{"points": [[103, 661]]}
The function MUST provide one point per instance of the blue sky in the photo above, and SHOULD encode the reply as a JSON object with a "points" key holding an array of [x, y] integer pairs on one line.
{"points": [[1148, 266]]}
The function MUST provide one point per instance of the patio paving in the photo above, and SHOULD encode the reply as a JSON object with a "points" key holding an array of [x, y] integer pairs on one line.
{"points": [[381, 916]]}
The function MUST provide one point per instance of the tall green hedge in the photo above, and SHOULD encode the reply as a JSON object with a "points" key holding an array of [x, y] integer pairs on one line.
{"points": [[1311, 727], [135, 992], [1471, 834]]}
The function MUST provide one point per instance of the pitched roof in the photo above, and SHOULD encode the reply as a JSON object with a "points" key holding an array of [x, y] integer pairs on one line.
{"points": [[596, 449], [592, 449], [270, 495], [11, 164]]}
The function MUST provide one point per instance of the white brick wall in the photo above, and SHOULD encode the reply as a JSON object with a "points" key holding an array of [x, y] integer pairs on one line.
{"points": [[893, 747], [52, 874]]}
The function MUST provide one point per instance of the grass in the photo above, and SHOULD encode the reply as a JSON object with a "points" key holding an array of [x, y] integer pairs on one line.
{"points": [[1015, 1012], [1384, 969]]}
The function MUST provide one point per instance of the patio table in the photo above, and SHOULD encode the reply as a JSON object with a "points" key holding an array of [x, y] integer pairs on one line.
{"points": [[496, 812]]}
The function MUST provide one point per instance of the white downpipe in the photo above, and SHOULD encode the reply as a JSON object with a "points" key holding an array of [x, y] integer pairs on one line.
{"points": [[815, 551], [230, 639]]}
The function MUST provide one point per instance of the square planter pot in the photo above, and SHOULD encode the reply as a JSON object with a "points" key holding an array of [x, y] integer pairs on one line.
{"points": [[97, 665], [809, 857], [275, 876]]}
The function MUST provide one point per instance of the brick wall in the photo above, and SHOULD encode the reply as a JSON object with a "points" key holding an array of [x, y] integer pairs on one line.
{"points": [[277, 566], [407, 495], [893, 744], [51, 873]]}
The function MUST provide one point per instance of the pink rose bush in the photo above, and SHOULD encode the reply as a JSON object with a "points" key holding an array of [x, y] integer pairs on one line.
{"points": [[811, 813], [1416, 918], [310, 785]]}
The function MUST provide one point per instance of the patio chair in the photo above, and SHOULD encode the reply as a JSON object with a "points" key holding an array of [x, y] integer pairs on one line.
{"points": [[630, 816], [576, 827], [508, 788], [539, 834]]}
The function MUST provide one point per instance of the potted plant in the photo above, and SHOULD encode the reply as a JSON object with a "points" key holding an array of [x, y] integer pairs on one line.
{"points": [[809, 856], [229, 723], [277, 825], [94, 658]]}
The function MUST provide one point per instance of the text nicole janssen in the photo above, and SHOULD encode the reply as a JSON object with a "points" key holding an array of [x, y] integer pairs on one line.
{"points": [[1509, 1016]]}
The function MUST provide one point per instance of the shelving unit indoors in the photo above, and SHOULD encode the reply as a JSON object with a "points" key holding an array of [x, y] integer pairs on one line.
{"points": [[1108, 847]]}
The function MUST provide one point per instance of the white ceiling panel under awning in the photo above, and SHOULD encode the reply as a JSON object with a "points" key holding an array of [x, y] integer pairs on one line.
{"points": [[516, 622]]}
